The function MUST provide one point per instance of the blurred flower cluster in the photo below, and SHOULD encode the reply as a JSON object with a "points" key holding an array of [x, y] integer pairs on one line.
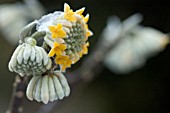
{"points": [[17, 16], [135, 43]]}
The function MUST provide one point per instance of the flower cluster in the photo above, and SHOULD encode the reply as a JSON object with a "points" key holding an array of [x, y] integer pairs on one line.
{"points": [[64, 36], [69, 34]]}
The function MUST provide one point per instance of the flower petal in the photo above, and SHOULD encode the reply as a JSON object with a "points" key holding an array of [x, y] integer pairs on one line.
{"points": [[58, 52], [58, 60], [51, 28], [63, 68], [62, 34], [54, 35], [80, 11], [72, 18], [89, 33], [51, 53], [62, 46], [59, 26], [65, 58], [86, 18], [56, 44], [66, 7], [68, 63]]}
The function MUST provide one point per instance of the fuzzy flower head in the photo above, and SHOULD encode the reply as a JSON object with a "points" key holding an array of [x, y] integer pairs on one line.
{"points": [[69, 31]]}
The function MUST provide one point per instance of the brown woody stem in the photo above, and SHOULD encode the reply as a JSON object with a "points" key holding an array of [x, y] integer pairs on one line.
{"points": [[19, 85]]}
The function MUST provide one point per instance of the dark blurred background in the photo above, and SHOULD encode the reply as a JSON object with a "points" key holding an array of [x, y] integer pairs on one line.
{"points": [[144, 90]]}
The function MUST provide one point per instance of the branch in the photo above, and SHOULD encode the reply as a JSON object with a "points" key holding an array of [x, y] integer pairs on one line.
{"points": [[19, 85]]}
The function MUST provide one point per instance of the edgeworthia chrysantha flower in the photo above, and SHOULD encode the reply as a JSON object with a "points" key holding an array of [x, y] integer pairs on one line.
{"points": [[67, 35], [46, 48]]}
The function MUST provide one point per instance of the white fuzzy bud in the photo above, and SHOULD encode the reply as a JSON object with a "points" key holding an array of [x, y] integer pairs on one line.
{"points": [[29, 60], [48, 87]]}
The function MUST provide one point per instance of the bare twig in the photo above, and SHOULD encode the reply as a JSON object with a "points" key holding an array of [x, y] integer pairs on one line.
{"points": [[18, 95]]}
